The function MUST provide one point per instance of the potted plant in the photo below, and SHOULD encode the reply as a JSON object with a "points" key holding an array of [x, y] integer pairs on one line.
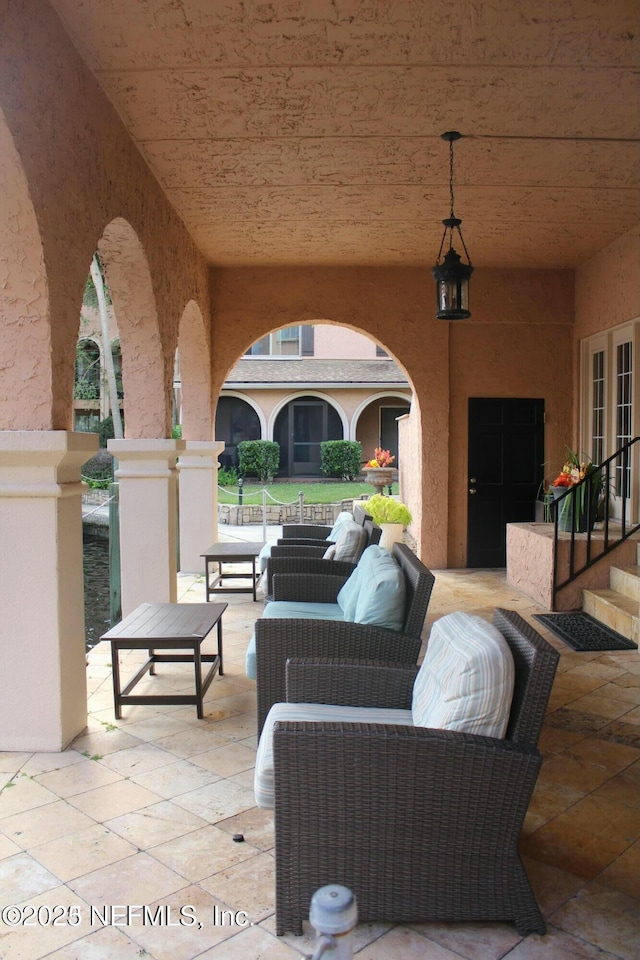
{"points": [[378, 471], [574, 503], [392, 515]]}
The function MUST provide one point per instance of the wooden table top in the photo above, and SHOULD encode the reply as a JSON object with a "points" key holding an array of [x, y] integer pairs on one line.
{"points": [[167, 621], [233, 551]]}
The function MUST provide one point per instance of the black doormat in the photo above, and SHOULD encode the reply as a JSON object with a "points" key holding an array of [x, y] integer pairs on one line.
{"points": [[580, 631]]}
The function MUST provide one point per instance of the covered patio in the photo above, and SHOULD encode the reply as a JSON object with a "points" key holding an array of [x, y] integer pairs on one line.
{"points": [[240, 168], [144, 811]]}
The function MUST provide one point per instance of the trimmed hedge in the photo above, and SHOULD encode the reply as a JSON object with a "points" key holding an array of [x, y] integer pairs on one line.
{"points": [[341, 458], [258, 458]]}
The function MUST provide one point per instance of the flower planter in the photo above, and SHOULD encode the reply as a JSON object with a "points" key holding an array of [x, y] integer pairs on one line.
{"points": [[566, 508], [391, 533], [380, 477]]}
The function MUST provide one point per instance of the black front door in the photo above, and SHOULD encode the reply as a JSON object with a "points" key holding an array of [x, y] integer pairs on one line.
{"points": [[506, 467]]}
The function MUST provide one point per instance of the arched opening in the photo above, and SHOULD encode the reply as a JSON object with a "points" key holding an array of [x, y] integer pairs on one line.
{"points": [[236, 420], [146, 379], [376, 423], [299, 430], [320, 381], [87, 386], [192, 407]]}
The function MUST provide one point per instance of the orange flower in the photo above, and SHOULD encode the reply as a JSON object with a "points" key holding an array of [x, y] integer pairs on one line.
{"points": [[382, 458]]}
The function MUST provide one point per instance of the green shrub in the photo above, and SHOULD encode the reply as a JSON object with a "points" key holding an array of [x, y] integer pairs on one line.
{"points": [[97, 472], [258, 458], [105, 430], [227, 477], [176, 432], [341, 458]]}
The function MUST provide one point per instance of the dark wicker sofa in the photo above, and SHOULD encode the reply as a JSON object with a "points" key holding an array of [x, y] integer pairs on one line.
{"points": [[421, 824], [279, 639]]}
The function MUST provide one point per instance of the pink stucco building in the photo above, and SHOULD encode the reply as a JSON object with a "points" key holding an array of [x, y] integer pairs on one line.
{"points": [[242, 176]]}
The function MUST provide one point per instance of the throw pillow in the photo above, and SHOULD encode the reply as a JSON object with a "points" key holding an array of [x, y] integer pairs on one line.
{"points": [[466, 680]]}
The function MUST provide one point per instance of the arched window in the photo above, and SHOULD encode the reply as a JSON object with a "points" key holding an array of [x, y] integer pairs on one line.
{"points": [[236, 420]]}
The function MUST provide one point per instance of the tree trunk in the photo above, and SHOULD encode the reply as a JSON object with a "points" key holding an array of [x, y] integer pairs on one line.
{"points": [[96, 276]]}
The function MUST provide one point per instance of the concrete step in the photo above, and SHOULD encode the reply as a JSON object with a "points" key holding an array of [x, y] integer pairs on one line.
{"points": [[626, 580], [615, 610]]}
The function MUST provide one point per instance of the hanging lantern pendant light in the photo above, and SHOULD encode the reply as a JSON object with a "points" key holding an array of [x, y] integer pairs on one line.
{"points": [[451, 274]]}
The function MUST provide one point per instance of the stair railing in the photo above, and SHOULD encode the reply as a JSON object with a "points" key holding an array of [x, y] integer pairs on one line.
{"points": [[568, 504]]}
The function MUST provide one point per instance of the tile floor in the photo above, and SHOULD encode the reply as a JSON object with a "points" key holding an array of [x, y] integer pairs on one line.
{"points": [[143, 811]]}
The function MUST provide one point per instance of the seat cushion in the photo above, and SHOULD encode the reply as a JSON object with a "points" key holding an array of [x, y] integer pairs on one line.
{"points": [[263, 557], [381, 596], [289, 610], [263, 777], [350, 542], [466, 679]]}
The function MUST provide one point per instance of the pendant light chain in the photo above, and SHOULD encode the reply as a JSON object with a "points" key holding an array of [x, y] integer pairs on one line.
{"points": [[451, 177]]}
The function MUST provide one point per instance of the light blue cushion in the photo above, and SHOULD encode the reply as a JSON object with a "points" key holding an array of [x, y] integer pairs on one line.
{"points": [[289, 610], [382, 594], [299, 610], [348, 596], [264, 773], [263, 557], [466, 680], [340, 519]]}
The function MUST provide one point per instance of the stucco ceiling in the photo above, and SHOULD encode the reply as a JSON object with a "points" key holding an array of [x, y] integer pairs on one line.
{"points": [[309, 131]]}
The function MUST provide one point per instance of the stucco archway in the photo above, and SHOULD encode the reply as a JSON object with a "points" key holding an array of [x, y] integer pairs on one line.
{"points": [[195, 375], [146, 377], [25, 346]]}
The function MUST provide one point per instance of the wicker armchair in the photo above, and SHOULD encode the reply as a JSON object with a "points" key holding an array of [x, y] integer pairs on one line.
{"points": [[277, 640], [421, 824], [285, 558], [308, 534]]}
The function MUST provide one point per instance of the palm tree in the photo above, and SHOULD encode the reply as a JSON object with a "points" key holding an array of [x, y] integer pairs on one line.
{"points": [[96, 295]]}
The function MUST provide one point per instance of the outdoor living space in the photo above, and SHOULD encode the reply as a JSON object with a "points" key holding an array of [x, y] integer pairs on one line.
{"points": [[149, 810]]}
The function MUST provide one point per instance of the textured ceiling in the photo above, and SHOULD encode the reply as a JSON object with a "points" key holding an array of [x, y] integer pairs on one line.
{"points": [[298, 132]]}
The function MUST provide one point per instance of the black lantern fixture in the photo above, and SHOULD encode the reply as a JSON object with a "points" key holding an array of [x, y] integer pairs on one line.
{"points": [[451, 274]]}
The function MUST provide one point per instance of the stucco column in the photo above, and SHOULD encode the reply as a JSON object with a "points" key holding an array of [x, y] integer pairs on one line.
{"points": [[198, 499], [148, 498], [43, 682]]}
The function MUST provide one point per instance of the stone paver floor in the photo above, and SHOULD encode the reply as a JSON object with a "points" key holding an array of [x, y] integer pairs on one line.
{"points": [[142, 812]]}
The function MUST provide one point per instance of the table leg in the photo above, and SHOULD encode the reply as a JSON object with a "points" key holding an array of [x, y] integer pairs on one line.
{"points": [[197, 665], [220, 671], [115, 666]]}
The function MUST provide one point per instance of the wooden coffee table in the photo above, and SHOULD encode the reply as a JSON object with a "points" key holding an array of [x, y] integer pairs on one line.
{"points": [[167, 626], [231, 553]]}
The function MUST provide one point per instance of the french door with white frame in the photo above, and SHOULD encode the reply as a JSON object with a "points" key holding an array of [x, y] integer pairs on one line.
{"points": [[610, 414]]}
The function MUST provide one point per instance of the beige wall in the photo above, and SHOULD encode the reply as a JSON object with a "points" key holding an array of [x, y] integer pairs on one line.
{"points": [[340, 343], [608, 287]]}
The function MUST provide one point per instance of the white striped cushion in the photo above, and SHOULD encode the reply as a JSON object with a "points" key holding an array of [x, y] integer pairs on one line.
{"points": [[466, 680], [263, 778]]}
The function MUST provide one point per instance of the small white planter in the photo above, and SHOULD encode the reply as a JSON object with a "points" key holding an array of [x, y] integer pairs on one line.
{"points": [[391, 533]]}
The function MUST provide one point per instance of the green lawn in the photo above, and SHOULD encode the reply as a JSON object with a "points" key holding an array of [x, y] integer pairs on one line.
{"points": [[288, 492]]}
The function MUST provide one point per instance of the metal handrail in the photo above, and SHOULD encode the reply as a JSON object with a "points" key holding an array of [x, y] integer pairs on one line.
{"points": [[611, 541]]}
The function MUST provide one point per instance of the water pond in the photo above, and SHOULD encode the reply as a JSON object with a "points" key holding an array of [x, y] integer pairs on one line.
{"points": [[96, 586]]}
